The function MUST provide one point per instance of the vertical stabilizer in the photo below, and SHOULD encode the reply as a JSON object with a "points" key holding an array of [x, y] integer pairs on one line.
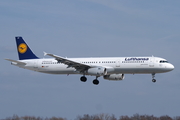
{"points": [[23, 49]]}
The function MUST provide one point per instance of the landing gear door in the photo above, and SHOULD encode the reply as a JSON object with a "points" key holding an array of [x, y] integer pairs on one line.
{"points": [[151, 62]]}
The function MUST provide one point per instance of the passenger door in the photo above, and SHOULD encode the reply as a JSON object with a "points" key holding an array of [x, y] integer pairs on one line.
{"points": [[151, 62], [118, 63]]}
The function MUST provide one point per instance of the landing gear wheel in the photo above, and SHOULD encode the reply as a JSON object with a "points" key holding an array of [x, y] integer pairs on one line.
{"points": [[154, 80], [153, 76], [83, 79], [96, 82]]}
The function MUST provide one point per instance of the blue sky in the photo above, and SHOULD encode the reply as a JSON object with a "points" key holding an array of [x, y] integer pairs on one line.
{"points": [[89, 28]]}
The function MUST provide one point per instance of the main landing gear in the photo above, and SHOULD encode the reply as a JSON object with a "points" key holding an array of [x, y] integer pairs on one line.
{"points": [[83, 79], [95, 81], [153, 76]]}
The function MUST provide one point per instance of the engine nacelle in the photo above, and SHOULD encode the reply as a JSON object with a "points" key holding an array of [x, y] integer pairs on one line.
{"points": [[109, 70], [97, 71], [114, 77]]}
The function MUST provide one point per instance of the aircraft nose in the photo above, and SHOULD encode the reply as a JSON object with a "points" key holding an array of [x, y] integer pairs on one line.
{"points": [[170, 67]]}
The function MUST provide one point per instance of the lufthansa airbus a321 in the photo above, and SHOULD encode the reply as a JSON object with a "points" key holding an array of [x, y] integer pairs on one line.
{"points": [[111, 68]]}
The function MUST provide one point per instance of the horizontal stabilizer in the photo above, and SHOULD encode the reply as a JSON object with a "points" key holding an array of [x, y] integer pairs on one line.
{"points": [[15, 61]]}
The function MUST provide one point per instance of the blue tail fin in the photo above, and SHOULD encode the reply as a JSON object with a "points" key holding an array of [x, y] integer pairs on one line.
{"points": [[23, 49]]}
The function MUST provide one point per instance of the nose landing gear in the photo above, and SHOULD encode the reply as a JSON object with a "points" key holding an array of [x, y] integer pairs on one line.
{"points": [[153, 76]]}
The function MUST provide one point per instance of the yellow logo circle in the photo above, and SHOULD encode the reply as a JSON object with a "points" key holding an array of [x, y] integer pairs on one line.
{"points": [[22, 48]]}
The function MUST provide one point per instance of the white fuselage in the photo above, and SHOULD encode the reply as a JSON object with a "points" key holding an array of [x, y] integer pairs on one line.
{"points": [[111, 68], [123, 65]]}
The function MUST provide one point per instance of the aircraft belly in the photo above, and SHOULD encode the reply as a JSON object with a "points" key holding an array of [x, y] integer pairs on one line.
{"points": [[139, 70]]}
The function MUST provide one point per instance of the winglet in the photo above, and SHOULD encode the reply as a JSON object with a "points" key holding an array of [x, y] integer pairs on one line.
{"points": [[45, 53]]}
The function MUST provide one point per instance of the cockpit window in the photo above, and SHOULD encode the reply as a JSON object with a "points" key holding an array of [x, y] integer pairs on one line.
{"points": [[163, 61]]}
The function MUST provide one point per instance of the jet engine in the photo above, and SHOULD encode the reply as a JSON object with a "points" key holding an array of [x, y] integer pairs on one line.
{"points": [[97, 71], [114, 77]]}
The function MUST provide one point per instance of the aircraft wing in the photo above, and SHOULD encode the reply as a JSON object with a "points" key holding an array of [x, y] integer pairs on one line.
{"points": [[77, 65], [17, 62]]}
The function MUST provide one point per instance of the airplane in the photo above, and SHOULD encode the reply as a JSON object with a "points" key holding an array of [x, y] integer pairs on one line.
{"points": [[111, 68]]}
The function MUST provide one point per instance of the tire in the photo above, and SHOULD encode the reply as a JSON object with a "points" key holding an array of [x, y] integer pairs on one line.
{"points": [[83, 79], [95, 82], [154, 80]]}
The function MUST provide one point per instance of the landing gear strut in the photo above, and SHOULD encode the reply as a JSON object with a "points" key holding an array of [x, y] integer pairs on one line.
{"points": [[153, 76], [96, 81], [83, 79]]}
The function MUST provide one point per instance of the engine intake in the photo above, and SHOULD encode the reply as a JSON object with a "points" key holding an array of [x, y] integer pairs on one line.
{"points": [[114, 77]]}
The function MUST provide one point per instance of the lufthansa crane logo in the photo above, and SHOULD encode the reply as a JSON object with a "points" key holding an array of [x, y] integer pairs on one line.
{"points": [[22, 48]]}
